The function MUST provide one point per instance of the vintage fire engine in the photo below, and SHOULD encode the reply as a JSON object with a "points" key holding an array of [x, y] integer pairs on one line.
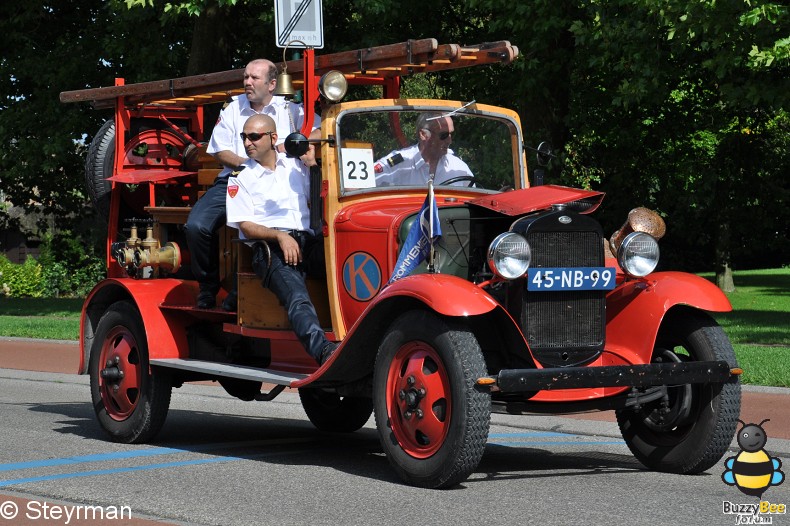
{"points": [[523, 306]]}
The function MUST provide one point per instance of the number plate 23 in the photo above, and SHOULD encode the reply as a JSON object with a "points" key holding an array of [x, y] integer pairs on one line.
{"points": [[358, 168], [564, 278]]}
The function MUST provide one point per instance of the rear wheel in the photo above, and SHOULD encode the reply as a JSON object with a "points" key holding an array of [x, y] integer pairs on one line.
{"points": [[692, 428], [431, 418], [130, 403], [328, 411]]}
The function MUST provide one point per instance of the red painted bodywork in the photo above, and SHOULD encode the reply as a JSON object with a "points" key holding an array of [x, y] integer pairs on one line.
{"points": [[165, 330], [535, 198]]}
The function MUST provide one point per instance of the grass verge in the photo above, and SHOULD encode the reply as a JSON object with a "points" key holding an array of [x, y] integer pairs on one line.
{"points": [[759, 325], [46, 318]]}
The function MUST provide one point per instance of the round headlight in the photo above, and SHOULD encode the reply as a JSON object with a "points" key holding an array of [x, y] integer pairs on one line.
{"points": [[509, 255], [638, 254], [333, 85]]}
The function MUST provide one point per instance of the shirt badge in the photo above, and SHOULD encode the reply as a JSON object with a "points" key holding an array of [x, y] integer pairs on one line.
{"points": [[233, 190]]}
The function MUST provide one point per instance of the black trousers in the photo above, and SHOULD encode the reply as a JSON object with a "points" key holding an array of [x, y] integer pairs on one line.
{"points": [[288, 284], [205, 218]]}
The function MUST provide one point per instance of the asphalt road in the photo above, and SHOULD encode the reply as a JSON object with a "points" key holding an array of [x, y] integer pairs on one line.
{"points": [[222, 461]]}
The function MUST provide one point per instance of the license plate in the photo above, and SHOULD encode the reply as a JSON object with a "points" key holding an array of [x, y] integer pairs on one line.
{"points": [[565, 278]]}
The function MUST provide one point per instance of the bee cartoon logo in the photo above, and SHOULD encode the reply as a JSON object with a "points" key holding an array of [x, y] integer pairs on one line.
{"points": [[752, 470]]}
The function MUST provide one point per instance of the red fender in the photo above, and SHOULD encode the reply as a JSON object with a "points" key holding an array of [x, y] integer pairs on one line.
{"points": [[634, 310], [164, 331], [444, 293]]}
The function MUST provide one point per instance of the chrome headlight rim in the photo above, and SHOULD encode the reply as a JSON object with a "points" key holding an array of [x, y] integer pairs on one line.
{"points": [[509, 256], [638, 254]]}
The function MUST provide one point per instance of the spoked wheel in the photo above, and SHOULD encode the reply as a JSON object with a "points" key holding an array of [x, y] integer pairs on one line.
{"points": [[130, 403], [691, 428], [328, 411], [432, 420]]}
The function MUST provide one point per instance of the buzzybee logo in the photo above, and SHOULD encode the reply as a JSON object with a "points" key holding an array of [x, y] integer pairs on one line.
{"points": [[753, 471]]}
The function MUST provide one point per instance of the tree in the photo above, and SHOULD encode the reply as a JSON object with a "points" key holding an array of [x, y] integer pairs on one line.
{"points": [[49, 48], [691, 84]]}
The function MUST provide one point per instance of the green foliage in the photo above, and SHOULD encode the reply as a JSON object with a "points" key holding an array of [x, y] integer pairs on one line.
{"points": [[20, 280], [67, 268], [63, 269]]}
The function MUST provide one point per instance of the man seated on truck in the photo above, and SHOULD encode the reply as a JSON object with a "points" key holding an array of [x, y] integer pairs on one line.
{"points": [[431, 155], [267, 201], [208, 213]]}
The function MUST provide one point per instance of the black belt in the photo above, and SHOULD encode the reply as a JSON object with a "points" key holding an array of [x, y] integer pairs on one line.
{"points": [[294, 232]]}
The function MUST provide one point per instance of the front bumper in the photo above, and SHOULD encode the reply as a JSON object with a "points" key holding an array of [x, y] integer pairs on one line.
{"points": [[647, 375]]}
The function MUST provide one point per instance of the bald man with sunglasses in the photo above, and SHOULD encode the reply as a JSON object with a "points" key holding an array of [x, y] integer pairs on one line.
{"points": [[267, 201], [431, 155]]}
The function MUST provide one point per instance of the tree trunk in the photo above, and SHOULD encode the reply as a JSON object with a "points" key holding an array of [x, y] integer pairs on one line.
{"points": [[210, 52], [210, 49], [723, 269]]}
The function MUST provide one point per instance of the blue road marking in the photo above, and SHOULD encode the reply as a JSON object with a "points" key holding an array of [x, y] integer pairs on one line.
{"points": [[119, 455], [507, 439], [530, 434], [194, 462], [559, 443]]}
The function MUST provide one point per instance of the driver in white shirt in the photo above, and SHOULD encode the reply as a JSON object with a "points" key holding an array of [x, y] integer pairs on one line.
{"points": [[431, 155]]}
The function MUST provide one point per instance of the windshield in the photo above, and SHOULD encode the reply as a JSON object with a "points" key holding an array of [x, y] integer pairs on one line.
{"points": [[381, 149]]}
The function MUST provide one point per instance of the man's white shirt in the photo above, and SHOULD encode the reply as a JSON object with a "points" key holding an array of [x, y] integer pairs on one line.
{"points": [[411, 169], [274, 198]]}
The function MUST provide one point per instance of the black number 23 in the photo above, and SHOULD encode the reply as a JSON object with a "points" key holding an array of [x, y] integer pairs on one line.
{"points": [[363, 168]]}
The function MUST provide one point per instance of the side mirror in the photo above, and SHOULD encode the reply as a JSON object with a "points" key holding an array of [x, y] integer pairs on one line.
{"points": [[544, 153], [296, 144]]}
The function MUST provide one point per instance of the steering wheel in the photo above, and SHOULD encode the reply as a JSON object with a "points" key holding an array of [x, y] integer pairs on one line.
{"points": [[470, 178]]}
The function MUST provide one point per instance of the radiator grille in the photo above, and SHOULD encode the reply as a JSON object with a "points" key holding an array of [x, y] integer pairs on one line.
{"points": [[565, 328]]}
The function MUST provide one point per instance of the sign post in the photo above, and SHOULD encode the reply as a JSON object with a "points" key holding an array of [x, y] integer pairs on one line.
{"points": [[299, 20]]}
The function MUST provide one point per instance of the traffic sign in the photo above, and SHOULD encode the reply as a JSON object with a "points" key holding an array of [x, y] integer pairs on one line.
{"points": [[300, 20]]}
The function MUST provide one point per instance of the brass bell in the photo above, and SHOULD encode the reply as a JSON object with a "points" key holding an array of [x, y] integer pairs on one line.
{"points": [[285, 86]]}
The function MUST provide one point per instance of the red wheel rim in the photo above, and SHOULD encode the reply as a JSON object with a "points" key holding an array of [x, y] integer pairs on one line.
{"points": [[120, 373], [419, 402]]}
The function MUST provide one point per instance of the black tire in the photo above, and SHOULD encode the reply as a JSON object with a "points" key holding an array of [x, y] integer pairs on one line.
{"points": [[131, 404], [328, 411], [432, 419], [98, 167], [101, 158], [697, 427]]}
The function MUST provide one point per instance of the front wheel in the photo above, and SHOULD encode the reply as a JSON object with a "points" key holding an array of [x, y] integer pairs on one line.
{"points": [[130, 403], [431, 417], [690, 430]]}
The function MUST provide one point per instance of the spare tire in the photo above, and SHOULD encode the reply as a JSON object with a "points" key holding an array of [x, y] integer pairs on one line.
{"points": [[168, 149], [98, 168]]}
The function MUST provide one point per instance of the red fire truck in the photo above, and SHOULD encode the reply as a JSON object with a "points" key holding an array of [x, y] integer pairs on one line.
{"points": [[523, 305]]}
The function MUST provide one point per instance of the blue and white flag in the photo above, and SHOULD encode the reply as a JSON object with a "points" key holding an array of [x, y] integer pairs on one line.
{"points": [[419, 243]]}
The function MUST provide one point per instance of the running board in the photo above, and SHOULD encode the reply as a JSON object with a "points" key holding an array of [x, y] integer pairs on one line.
{"points": [[231, 371]]}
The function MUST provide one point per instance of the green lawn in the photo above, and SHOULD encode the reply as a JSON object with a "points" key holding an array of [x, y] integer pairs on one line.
{"points": [[758, 326]]}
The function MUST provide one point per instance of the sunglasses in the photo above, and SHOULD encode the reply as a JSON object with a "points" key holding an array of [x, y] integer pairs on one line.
{"points": [[444, 135], [253, 137]]}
